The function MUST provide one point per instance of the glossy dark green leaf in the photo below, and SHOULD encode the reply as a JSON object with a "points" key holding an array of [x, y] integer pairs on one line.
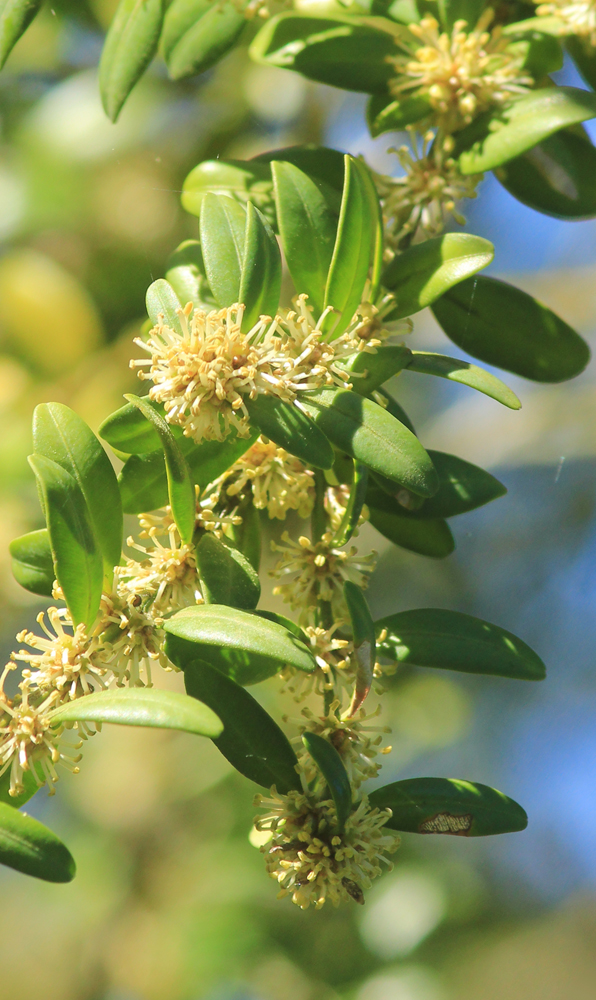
{"points": [[321, 163], [29, 847], [371, 435], [584, 57], [449, 640], [222, 226], [62, 436], [332, 768], [428, 538], [78, 563], [163, 304], [343, 51], [384, 114], [30, 787], [227, 577], [503, 326], [462, 487], [467, 374], [181, 490], [290, 428], [251, 741], [356, 500], [142, 707], [364, 638], [394, 408], [246, 537], [376, 228], [186, 276], [242, 180], [308, 228], [32, 563], [196, 34], [448, 806], [260, 276], [15, 18], [352, 253], [129, 47], [501, 135], [377, 368], [424, 272], [557, 177], [143, 482], [245, 648], [127, 431], [287, 623]]}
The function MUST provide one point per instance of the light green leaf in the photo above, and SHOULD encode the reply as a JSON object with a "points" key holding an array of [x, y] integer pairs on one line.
{"points": [[428, 538], [260, 276], [78, 563], [356, 499], [375, 369], [62, 436], [424, 272], [227, 577], [251, 741], [241, 180], [129, 47], [222, 226], [32, 563], [364, 638], [196, 34], [240, 645], [141, 707], [15, 18], [384, 114], [332, 768], [376, 228], [462, 371], [449, 640], [371, 435], [30, 788], [30, 848], [246, 537], [448, 806], [163, 304], [469, 11], [322, 164], [290, 428], [502, 325], [186, 275], [181, 490], [128, 431]]}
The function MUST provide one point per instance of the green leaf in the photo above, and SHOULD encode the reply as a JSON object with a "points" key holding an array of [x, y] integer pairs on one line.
{"points": [[448, 806], [240, 645], [428, 538], [15, 18], [222, 226], [584, 57], [356, 500], [320, 163], [30, 848], [32, 563], [246, 537], [345, 52], [187, 277], [62, 436], [239, 179], [251, 741], [376, 228], [462, 371], [141, 707], [556, 177], [449, 640], [469, 11], [78, 563], [273, 616], [290, 428], [462, 487], [196, 34], [260, 276], [364, 638], [503, 326], [543, 53], [377, 368], [394, 408], [308, 228], [384, 114], [129, 47], [128, 431], [371, 435], [332, 768], [352, 253], [163, 304], [227, 577], [143, 481], [424, 272], [499, 136], [30, 787], [181, 491]]}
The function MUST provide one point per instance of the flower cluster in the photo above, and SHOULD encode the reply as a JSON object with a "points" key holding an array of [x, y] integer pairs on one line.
{"points": [[578, 17], [277, 481]]}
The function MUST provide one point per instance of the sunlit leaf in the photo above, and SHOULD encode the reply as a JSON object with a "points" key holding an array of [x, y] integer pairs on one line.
{"points": [[227, 577], [196, 34], [30, 848], [260, 275], [32, 563], [222, 226], [163, 304], [428, 538], [141, 707], [15, 18], [332, 768], [186, 275], [129, 47], [465, 373], [290, 428], [372, 370]]}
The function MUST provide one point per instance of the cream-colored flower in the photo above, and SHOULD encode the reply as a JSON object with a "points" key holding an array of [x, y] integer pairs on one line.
{"points": [[461, 74], [579, 18], [317, 572], [314, 863], [278, 481], [129, 641], [165, 580], [63, 659], [356, 740]]}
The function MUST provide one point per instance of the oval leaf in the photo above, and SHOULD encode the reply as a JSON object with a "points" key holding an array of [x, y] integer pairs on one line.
{"points": [[246, 537], [222, 226], [251, 741], [245, 648], [449, 640], [332, 768], [141, 707], [187, 278], [15, 18], [422, 273], [128, 431], [30, 848], [502, 325], [163, 304], [467, 374], [291, 429], [129, 47], [242, 180], [227, 577], [196, 34], [375, 369], [384, 114], [260, 277], [428, 538], [32, 563], [448, 806]]}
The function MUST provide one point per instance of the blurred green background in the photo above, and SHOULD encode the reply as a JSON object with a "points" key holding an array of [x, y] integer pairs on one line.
{"points": [[171, 901]]}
